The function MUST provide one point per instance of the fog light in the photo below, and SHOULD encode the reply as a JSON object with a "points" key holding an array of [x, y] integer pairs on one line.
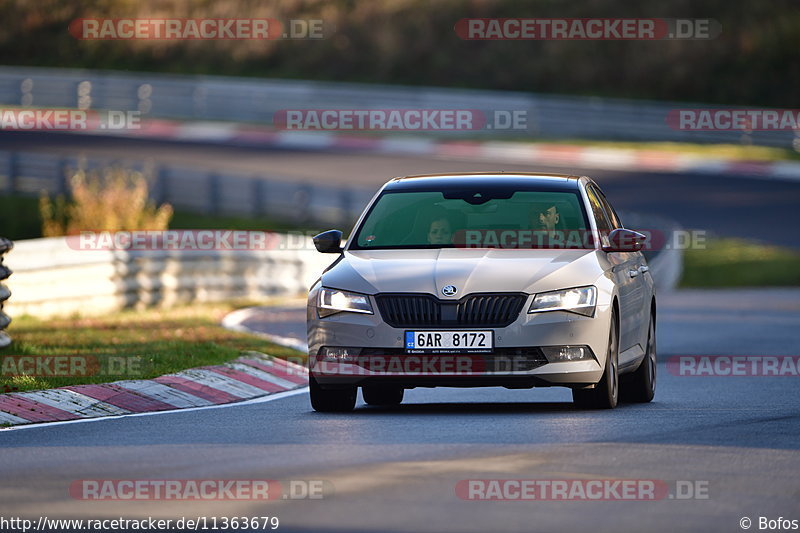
{"points": [[559, 354], [338, 354]]}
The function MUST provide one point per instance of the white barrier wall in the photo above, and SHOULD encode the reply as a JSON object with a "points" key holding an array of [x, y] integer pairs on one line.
{"points": [[51, 278]]}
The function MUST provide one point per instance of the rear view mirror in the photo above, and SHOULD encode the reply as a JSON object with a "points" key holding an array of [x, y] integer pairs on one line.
{"points": [[624, 240], [329, 242]]}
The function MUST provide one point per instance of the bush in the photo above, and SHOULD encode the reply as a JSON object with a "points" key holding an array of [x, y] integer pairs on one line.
{"points": [[754, 60], [116, 200]]}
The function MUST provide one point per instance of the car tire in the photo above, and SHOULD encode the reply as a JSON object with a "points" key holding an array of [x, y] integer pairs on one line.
{"points": [[605, 394], [382, 395], [640, 386], [331, 400]]}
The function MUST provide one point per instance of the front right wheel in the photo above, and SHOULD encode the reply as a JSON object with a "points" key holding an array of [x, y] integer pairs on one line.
{"points": [[331, 400], [605, 394], [382, 395]]}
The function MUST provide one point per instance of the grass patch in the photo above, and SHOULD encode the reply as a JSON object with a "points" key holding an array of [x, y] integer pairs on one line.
{"points": [[739, 152], [742, 152], [162, 341], [186, 220], [740, 263], [20, 219]]}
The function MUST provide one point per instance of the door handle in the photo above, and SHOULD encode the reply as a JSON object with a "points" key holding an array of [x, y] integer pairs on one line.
{"points": [[633, 273], [644, 268]]}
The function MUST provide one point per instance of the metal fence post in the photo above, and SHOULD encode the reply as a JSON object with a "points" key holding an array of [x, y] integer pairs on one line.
{"points": [[346, 202], [160, 189], [5, 320], [301, 203], [214, 193], [11, 185], [63, 177], [258, 196]]}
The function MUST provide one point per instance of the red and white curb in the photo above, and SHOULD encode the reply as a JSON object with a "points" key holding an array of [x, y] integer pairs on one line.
{"points": [[253, 375], [560, 155]]}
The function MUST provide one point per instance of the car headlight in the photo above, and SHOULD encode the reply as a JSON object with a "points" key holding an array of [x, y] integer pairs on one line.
{"points": [[580, 300], [332, 301]]}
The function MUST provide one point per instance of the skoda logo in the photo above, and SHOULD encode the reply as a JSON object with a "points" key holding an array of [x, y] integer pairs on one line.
{"points": [[449, 290]]}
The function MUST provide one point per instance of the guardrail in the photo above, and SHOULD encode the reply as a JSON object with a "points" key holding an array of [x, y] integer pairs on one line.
{"points": [[52, 278], [198, 190], [256, 101], [5, 246]]}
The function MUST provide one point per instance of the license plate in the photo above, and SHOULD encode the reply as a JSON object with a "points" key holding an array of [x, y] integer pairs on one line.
{"points": [[449, 341]]}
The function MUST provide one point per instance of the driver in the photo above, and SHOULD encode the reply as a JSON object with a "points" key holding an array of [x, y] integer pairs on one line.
{"points": [[546, 218], [547, 226], [440, 231]]}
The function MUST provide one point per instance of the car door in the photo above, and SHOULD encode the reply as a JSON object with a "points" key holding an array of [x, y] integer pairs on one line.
{"points": [[624, 271], [640, 291]]}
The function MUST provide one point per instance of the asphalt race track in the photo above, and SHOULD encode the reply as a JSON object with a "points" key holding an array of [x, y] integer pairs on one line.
{"points": [[750, 207], [732, 439]]}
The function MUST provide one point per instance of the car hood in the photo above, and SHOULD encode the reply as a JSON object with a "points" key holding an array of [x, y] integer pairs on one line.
{"points": [[470, 271]]}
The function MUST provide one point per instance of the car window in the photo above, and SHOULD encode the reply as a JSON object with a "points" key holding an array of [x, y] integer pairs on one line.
{"points": [[600, 216], [609, 209], [436, 219]]}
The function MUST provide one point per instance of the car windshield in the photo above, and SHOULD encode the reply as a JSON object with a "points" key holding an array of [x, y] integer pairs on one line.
{"points": [[474, 219]]}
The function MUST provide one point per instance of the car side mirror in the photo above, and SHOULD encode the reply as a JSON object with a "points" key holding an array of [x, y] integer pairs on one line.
{"points": [[329, 242], [624, 240]]}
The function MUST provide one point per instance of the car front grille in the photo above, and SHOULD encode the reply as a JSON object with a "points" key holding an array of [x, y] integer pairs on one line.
{"points": [[500, 360], [425, 310]]}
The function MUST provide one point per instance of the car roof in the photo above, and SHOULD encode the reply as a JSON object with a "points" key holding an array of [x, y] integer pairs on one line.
{"points": [[492, 179]]}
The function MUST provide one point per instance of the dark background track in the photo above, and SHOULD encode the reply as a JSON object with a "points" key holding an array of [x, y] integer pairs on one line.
{"points": [[740, 206]]}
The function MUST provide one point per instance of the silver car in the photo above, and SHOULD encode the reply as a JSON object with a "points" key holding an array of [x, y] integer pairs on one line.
{"points": [[483, 279]]}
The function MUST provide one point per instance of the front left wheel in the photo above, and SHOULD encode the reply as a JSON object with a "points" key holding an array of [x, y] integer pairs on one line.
{"points": [[605, 394], [640, 386]]}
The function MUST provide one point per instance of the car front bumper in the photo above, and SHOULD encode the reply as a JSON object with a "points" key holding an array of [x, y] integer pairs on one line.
{"points": [[378, 354]]}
